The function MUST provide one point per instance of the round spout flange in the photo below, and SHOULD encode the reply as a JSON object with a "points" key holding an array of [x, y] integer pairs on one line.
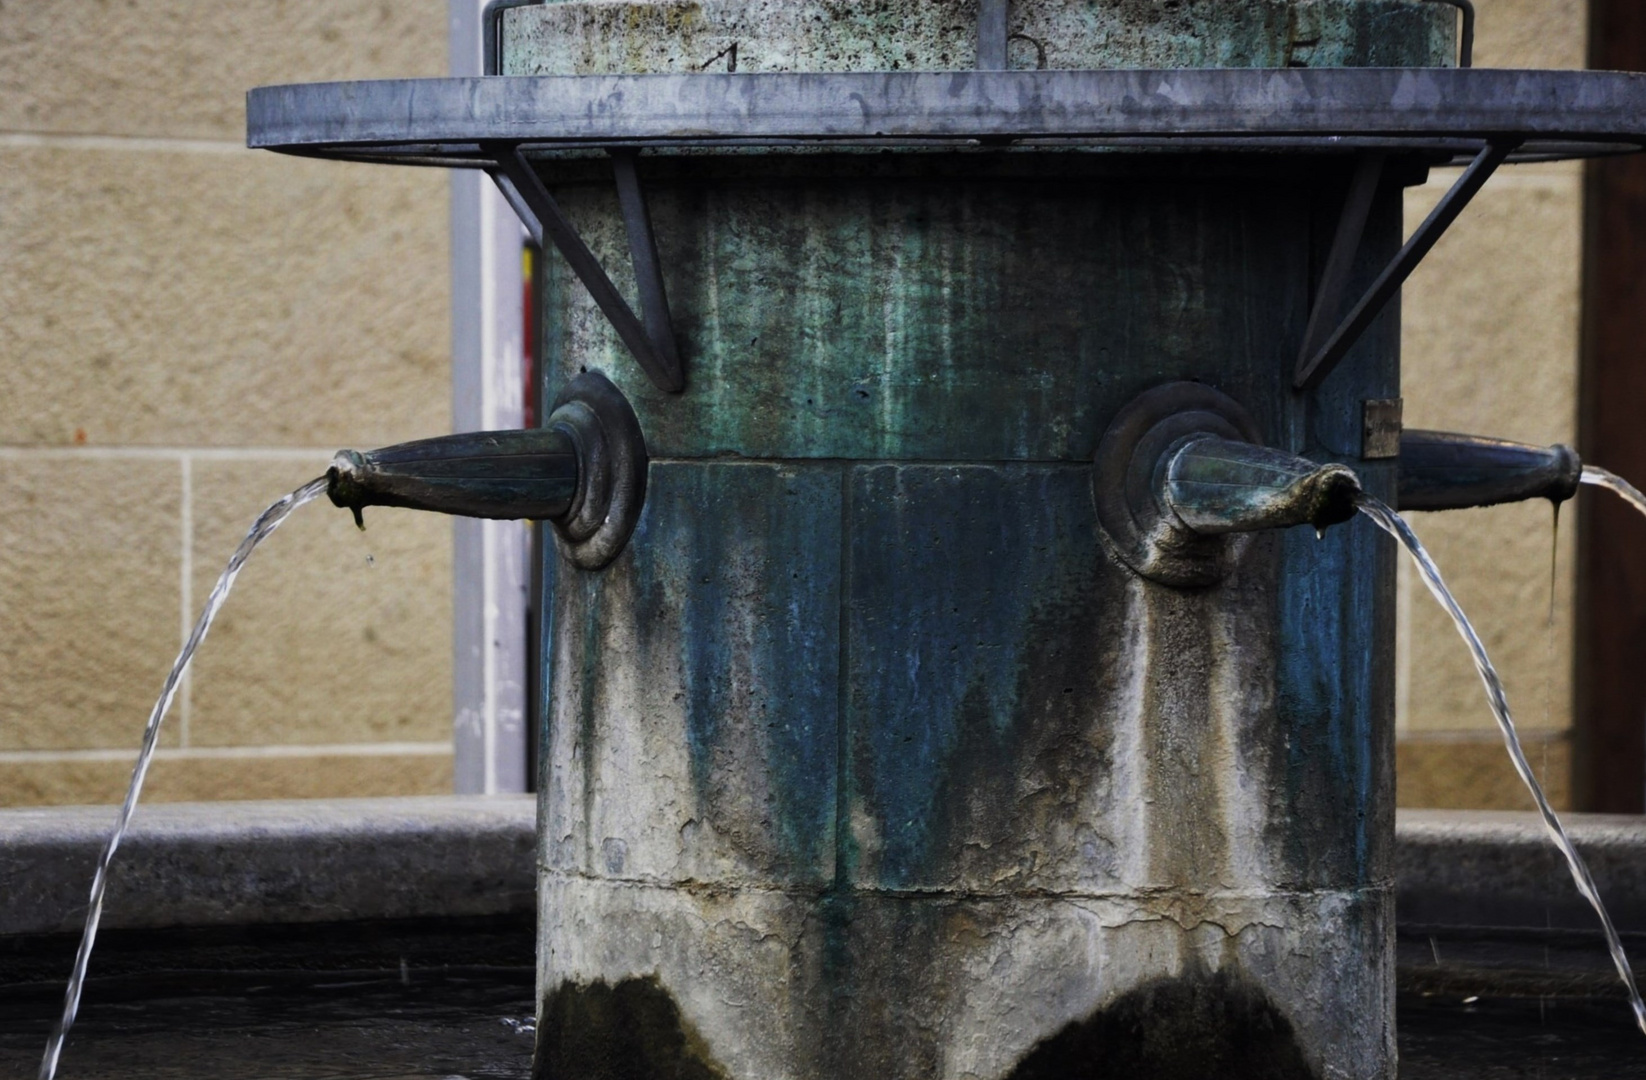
{"points": [[611, 453], [1136, 527]]}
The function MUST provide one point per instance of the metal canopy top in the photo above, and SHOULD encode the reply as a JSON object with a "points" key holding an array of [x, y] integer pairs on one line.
{"points": [[469, 122], [503, 123]]}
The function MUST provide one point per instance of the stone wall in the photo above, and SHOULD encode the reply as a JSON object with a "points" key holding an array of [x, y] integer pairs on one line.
{"points": [[1490, 347], [189, 330]]}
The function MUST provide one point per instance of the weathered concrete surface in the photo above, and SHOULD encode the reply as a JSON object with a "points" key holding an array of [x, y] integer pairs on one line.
{"points": [[610, 36], [226, 864], [863, 759], [939, 985], [863, 724]]}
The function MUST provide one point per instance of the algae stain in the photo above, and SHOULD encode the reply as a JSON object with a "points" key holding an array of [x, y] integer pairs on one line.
{"points": [[630, 1031], [1195, 1028]]}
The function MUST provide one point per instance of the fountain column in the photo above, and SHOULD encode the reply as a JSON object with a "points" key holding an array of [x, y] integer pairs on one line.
{"points": [[866, 757]]}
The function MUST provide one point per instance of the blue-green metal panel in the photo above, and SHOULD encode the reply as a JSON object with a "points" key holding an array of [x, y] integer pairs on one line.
{"points": [[954, 314], [725, 610], [983, 621]]}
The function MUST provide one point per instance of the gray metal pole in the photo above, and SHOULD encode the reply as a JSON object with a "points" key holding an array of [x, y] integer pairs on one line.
{"points": [[490, 573]]}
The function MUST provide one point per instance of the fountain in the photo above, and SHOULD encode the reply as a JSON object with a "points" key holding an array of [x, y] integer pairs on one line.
{"points": [[938, 686]]}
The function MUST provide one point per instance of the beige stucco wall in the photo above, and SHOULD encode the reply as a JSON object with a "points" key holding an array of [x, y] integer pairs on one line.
{"points": [[188, 329], [1489, 346]]}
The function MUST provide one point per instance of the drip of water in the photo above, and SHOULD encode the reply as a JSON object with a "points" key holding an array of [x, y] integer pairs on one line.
{"points": [[261, 529], [1395, 525]]}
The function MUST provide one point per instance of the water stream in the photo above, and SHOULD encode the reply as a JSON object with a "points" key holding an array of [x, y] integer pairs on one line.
{"points": [[1396, 526], [1611, 481], [264, 526]]}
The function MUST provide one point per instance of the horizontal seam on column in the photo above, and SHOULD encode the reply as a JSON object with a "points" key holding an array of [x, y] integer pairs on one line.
{"points": [[698, 886]]}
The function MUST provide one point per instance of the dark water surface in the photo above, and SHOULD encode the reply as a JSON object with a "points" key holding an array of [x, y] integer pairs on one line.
{"points": [[475, 1024]]}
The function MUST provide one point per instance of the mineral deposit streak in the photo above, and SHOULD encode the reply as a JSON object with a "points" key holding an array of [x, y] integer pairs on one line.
{"points": [[265, 525], [1396, 526]]}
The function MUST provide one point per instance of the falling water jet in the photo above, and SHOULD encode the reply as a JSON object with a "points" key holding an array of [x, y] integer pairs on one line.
{"points": [[268, 521], [1611, 481], [1396, 526]]}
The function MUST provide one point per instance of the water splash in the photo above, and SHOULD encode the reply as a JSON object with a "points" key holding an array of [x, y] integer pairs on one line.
{"points": [[1395, 525], [1611, 481], [261, 529]]}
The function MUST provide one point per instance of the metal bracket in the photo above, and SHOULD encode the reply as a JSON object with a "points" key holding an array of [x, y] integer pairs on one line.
{"points": [[1466, 38], [991, 35], [1351, 227], [1315, 364], [652, 343], [648, 271], [1380, 424], [491, 33]]}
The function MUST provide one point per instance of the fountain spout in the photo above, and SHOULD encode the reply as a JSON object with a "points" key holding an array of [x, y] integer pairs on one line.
{"points": [[1181, 476], [583, 472], [1217, 486], [1440, 470], [485, 474]]}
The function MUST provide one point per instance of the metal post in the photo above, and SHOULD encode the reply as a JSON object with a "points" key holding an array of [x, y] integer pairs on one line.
{"points": [[490, 571]]}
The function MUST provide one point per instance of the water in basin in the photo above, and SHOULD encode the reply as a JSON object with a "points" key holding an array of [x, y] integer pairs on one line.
{"points": [[476, 1025]]}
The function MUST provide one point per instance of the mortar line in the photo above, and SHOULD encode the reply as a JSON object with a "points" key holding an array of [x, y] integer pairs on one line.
{"points": [[185, 590], [205, 753], [62, 140], [1484, 736], [168, 453]]}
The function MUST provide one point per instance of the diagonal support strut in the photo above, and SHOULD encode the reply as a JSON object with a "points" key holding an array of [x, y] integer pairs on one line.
{"points": [[1351, 226], [991, 35], [548, 224], [648, 271], [1313, 368]]}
